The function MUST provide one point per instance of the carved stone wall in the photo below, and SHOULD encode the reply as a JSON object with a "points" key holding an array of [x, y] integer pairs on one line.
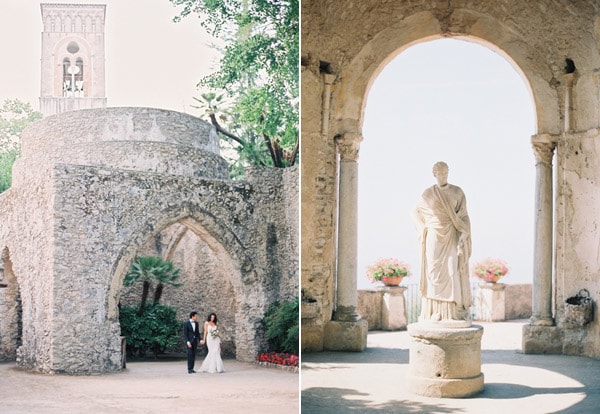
{"points": [[93, 188], [555, 46]]}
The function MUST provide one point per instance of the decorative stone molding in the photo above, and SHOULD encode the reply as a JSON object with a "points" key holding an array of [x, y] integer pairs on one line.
{"points": [[543, 148], [348, 146]]}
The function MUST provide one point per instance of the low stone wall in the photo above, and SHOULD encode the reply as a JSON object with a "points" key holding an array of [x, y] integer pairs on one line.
{"points": [[518, 301]]}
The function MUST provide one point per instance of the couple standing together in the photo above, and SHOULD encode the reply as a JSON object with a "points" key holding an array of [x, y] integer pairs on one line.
{"points": [[191, 331]]}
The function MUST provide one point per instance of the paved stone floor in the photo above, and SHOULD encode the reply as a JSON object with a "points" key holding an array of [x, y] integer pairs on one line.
{"points": [[152, 387], [374, 380]]}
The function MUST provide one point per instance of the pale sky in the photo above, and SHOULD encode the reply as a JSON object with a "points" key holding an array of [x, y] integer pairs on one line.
{"points": [[150, 61], [459, 102], [445, 100]]}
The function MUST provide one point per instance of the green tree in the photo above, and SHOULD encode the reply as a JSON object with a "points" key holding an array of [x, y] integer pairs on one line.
{"points": [[149, 270], [15, 115], [258, 74]]}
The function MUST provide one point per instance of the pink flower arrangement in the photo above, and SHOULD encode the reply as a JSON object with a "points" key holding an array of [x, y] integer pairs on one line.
{"points": [[490, 270], [384, 268]]}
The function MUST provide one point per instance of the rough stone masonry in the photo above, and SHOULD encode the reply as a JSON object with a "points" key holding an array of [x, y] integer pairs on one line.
{"points": [[91, 189]]}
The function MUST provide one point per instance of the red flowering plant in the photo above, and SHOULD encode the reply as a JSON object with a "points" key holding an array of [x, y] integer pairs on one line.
{"points": [[284, 359], [490, 270], [384, 268]]}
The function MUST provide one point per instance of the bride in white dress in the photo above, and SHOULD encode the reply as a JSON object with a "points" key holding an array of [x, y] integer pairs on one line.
{"points": [[213, 362]]}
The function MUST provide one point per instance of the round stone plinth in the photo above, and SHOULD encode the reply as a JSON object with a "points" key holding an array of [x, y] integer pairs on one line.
{"points": [[445, 362]]}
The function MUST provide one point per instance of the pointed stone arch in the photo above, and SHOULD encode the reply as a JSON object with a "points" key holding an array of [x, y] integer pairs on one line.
{"points": [[11, 323], [249, 294]]}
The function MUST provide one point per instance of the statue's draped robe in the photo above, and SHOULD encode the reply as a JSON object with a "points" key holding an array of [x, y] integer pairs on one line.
{"points": [[441, 216]]}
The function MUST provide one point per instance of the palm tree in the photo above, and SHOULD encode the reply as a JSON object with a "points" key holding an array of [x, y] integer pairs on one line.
{"points": [[149, 269]]}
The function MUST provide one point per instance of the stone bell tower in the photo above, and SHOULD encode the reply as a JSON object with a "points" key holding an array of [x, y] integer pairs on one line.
{"points": [[72, 75]]}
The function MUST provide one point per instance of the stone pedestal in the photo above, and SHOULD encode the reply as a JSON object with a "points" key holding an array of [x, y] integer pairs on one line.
{"points": [[393, 308], [445, 362], [345, 336], [492, 302]]}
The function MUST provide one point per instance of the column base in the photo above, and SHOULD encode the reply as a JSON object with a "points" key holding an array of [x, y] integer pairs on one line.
{"points": [[345, 336], [445, 362], [539, 321], [540, 339]]}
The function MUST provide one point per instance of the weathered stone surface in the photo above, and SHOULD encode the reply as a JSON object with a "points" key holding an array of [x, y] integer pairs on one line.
{"points": [[82, 206], [345, 336], [542, 339], [445, 363]]}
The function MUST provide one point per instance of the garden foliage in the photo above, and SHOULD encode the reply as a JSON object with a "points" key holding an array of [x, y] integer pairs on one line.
{"points": [[282, 327]]}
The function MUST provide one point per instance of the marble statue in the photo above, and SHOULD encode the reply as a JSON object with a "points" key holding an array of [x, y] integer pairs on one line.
{"points": [[445, 239]]}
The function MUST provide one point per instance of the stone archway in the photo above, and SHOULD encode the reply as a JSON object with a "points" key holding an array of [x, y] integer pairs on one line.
{"points": [[240, 302], [341, 56], [11, 319]]}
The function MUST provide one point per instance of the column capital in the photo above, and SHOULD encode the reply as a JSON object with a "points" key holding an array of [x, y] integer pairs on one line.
{"points": [[569, 79], [348, 145], [543, 148], [328, 78]]}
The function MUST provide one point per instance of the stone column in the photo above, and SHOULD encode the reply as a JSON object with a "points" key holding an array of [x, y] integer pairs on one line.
{"points": [[543, 148], [347, 331], [568, 81], [347, 294]]}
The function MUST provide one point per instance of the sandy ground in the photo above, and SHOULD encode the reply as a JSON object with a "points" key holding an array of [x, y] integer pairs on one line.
{"points": [[152, 387], [375, 380]]}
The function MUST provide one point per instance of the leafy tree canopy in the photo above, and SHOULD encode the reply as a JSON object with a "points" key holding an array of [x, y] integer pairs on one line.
{"points": [[258, 74], [15, 115], [149, 270]]}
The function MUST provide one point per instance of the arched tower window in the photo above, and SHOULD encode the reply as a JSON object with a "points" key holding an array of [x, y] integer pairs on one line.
{"points": [[79, 78], [66, 77]]}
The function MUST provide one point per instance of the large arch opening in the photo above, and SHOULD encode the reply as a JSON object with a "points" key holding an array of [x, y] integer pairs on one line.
{"points": [[206, 273], [11, 319], [215, 274], [465, 103]]}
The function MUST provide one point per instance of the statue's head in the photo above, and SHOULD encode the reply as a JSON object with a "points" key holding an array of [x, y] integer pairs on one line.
{"points": [[440, 172], [440, 166]]}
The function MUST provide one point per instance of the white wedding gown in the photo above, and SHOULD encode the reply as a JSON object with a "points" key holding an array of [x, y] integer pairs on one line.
{"points": [[213, 362]]}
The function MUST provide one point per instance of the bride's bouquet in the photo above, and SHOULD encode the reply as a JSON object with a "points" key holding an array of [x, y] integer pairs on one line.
{"points": [[214, 333]]}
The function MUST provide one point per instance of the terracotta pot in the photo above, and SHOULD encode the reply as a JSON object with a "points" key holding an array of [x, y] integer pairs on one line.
{"points": [[492, 279], [392, 280]]}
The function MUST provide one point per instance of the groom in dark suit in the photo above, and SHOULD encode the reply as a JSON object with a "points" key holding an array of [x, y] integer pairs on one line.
{"points": [[191, 332]]}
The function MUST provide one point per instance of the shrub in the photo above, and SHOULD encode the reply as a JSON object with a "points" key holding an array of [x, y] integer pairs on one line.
{"points": [[282, 327], [155, 330]]}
